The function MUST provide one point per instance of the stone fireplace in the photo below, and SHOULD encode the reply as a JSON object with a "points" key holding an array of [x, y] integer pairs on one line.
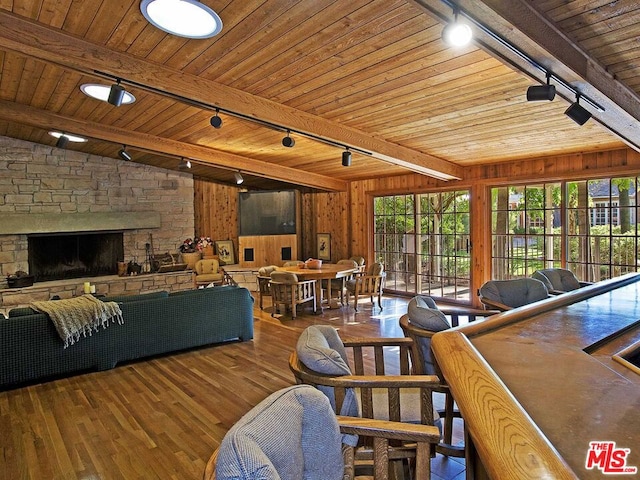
{"points": [[48, 194], [75, 255]]}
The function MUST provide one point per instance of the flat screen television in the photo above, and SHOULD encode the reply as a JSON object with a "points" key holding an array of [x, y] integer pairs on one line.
{"points": [[266, 212]]}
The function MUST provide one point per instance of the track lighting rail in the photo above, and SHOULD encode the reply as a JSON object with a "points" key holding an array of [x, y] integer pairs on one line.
{"points": [[264, 123], [523, 56]]}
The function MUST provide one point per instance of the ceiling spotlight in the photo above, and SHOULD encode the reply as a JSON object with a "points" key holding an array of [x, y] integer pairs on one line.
{"points": [[216, 121], [542, 92], [577, 112], [123, 154], [184, 164], [62, 141], [346, 158], [101, 92], [116, 94], [288, 141], [185, 18], [238, 177], [456, 33]]}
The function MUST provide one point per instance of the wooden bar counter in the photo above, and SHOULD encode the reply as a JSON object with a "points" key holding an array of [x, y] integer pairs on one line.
{"points": [[537, 384]]}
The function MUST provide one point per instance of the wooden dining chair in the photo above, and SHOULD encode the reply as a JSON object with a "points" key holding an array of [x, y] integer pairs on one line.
{"points": [[288, 291]]}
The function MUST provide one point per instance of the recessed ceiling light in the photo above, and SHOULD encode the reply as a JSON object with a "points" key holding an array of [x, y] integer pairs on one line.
{"points": [[101, 92], [185, 18], [71, 138]]}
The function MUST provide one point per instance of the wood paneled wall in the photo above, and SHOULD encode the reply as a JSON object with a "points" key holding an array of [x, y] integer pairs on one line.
{"points": [[216, 211], [347, 215]]}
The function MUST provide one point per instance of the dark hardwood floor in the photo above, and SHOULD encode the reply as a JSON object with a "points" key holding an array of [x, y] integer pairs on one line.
{"points": [[162, 418]]}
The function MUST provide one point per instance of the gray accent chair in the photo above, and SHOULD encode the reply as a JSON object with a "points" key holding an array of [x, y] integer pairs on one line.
{"points": [[353, 374], [421, 322], [508, 294], [559, 280], [294, 435]]}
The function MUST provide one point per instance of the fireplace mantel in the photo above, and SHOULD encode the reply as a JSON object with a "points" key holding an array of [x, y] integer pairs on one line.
{"points": [[28, 223]]}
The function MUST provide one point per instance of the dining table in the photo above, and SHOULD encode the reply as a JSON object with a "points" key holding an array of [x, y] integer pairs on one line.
{"points": [[327, 271]]}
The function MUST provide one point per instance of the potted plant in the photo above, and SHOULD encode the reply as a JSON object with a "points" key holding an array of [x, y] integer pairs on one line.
{"points": [[190, 253]]}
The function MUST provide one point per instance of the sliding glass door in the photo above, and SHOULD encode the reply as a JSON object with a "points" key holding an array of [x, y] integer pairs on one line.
{"points": [[423, 241]]}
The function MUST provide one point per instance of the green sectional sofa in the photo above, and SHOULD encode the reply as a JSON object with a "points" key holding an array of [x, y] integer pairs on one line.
{"points": [[154, 323]]}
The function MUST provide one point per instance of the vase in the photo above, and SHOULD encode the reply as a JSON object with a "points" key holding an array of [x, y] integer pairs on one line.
{"points": [[207, 252], [191, 258]]}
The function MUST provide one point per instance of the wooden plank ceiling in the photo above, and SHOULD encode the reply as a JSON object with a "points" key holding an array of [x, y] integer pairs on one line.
{"points": [[373, 75]]}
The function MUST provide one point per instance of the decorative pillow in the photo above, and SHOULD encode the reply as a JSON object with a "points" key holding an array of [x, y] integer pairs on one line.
{"points": [[321, 350], [424, 313]]}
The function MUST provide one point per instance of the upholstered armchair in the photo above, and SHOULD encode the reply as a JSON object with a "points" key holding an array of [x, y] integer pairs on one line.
{"points": [[363, 386], [369, 284], [289, 292], [294, 434], [207, 271], [360, 261], [559, 280], [264, 278], [421, 322], [508, 294]]}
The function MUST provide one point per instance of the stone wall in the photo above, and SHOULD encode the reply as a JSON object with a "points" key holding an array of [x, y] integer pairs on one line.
{"points": [[39, 179]]}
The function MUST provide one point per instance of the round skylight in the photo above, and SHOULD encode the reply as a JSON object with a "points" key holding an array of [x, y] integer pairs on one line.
{"points": [[101, 92], [185, 18], [71, 138]]}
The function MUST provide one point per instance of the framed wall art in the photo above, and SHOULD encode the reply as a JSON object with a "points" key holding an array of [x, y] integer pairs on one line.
{"points": [[324, 246], [224, 249]]}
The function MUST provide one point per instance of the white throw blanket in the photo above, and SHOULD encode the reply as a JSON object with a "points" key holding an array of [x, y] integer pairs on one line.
{"points": [[77, 316]]}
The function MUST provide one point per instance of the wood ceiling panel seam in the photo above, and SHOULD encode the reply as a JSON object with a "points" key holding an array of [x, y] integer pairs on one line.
{"points": [[335, 68], [54, 12], [107, 20], [191, 60], [81, 16], [421, 89], [129, 29], [11, 73], [387, 84], [27, 8], [265, 37], [305, 54], [317, 43]]}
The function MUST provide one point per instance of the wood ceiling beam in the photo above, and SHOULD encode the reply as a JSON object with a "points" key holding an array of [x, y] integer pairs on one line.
{"points": [[26, 115], [39, 41], [521, 25]]}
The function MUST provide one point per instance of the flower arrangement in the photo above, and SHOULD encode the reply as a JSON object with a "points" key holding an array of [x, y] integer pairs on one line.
{"points": [[197, 244]]}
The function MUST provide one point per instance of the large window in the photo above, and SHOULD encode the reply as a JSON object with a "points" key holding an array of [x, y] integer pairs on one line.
{"points": [[423, 241], [588, 226]]}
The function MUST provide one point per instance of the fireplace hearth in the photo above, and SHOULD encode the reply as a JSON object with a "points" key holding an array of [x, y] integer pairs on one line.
{"points": [[70, 255]]}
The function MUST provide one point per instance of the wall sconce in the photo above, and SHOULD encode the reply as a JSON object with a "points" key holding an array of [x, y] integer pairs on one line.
{"points": [[216, 121]]}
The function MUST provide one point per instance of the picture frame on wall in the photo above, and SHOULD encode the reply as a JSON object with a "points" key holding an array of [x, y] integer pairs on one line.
{"points": [[324, 246], [224, 250]]}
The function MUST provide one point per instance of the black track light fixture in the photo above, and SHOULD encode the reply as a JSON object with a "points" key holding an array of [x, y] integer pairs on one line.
{"points": [[123, 154], [184, 164], [288, 141], [577, 112], [346, 158], [457, 33], [542, 92], [238, 178], [62, 141], [216, 121], [116, 94]]}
